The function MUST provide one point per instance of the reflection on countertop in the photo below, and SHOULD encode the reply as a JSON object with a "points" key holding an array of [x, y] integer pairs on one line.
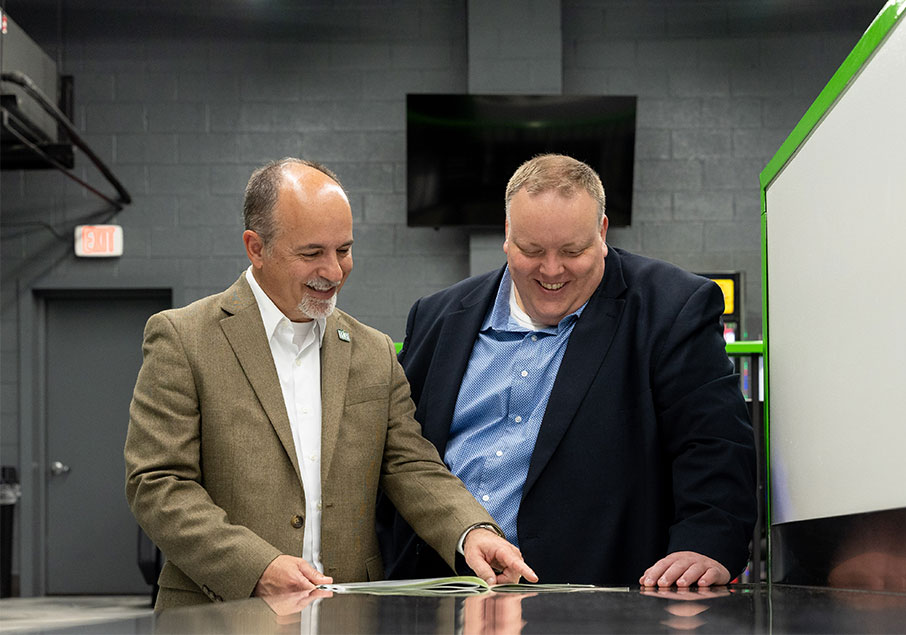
{"points": [[859, 551], [734, 609]]}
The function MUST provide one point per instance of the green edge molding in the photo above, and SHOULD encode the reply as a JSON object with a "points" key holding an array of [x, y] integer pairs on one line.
{"points": [[867, 44], [751, 347]]}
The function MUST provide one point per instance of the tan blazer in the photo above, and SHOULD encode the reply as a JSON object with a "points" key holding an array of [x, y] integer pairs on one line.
{"points": [[211, 469]]}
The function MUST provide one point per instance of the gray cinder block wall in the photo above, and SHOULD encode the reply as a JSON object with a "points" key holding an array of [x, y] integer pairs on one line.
{"points": [[184, 99], [720, 86]]}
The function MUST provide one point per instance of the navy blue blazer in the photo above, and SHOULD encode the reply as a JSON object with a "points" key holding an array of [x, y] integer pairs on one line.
{"points": [[645, 447]]}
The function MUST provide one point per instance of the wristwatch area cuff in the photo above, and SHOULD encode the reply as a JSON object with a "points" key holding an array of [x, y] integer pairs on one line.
{"points": [[488, 526]]}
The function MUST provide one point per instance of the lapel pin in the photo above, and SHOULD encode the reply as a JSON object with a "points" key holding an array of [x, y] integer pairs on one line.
{"points": [[343, 334]]}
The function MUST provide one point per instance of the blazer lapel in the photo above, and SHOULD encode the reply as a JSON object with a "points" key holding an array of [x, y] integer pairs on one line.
{"points": [[244, 331], [585, 353], [450, 361], [335, 356]]}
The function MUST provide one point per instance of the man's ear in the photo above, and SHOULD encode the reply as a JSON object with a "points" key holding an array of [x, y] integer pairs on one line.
{"points": [[604, 225], [254, 247], [506, 237]]}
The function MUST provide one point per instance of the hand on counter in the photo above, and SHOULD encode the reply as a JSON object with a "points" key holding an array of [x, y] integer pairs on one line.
{"points": [[486, 552], [288, 574], [684, 569]]}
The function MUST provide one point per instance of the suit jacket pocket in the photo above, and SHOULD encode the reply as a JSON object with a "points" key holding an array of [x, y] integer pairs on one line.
{"points": [[367, 393], [171, 576]]}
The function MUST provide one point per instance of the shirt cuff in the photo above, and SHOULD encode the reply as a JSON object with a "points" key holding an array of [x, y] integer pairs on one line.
{"points": [[488, 526]]}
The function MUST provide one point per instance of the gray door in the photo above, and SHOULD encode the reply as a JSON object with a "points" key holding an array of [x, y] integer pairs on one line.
{"points": [[93, 353]]}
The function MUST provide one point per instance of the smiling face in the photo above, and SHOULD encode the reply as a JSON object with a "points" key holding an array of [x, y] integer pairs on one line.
{"points": [[309, 258], [555, 251]]}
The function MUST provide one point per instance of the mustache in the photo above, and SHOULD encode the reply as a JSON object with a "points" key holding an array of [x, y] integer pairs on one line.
{"points": [[321, 284]]}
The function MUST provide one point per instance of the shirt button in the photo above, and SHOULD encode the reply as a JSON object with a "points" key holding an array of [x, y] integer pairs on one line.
{"points": [[319, 505], [534, 338], [298, 362], [524, 373], [499, 453], [305, 411], [518, 419], [485, 498], [297, 521]]}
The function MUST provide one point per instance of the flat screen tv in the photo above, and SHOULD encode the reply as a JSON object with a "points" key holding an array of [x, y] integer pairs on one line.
{"points": [[462, 150]]}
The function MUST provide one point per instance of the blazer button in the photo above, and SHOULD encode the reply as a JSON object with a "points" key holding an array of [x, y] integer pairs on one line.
{"points": [[297, 521]]}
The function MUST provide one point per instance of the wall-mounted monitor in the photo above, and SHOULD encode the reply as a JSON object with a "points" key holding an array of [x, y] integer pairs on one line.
{"points": [[462, 150]]}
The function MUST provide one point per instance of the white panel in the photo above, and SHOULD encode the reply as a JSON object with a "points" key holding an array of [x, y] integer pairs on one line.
{"points": [[836, 231]]}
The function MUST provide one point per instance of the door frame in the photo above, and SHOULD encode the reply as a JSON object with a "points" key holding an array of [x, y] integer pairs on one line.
{"points": [[33, 460]]}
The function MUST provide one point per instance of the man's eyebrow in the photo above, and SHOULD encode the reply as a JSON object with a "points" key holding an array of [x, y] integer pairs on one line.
{"points": [[573, 245], [348, 243]]}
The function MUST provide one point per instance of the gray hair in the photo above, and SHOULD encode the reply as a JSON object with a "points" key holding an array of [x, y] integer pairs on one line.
{"points": [[261, 195], [556, 172]]}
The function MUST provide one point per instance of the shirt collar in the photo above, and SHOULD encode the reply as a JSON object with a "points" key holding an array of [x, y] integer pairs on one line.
{"points": [[500, 318], [271, 315]]}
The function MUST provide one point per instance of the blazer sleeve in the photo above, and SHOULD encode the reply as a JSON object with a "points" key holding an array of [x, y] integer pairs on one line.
{"points": [[707, 435], [434, 502], [164, 483]]}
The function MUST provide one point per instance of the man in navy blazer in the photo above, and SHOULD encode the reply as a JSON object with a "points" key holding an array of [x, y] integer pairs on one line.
{"points": [[584, 396]]}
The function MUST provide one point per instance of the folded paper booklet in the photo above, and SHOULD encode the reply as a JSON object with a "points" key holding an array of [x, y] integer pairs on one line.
{"points": [[457, 585]]}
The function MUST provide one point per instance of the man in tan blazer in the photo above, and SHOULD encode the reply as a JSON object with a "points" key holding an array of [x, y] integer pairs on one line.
{"points": [[264, 421]]}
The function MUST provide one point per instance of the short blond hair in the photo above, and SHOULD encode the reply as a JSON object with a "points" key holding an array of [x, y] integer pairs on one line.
{"points": [[556, 172]]}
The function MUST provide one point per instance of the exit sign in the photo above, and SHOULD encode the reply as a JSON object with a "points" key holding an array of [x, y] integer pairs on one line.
{"points": [[98, 241]]}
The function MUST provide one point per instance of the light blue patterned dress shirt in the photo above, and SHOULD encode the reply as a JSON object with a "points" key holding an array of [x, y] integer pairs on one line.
{"points": [[500, 406]]}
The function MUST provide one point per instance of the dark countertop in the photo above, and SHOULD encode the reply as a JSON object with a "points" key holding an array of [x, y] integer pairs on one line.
{"points": [[735, 609]]}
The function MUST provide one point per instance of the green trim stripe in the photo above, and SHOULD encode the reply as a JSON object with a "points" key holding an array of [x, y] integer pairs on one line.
{"points": [[870, 40], [738, 349]]}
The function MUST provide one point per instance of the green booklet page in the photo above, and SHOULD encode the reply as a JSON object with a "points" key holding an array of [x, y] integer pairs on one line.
{"points": [[456, 585]]}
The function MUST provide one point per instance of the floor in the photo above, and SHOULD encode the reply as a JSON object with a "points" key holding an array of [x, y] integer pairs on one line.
{"points": [[35, 614]]}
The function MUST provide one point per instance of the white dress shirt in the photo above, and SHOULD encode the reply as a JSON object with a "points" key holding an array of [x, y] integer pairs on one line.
{"points": [[296, 349]]}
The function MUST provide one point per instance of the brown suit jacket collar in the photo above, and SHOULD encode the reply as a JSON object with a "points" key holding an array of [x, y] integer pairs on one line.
{"points": [[244, 330], [336, 354]]}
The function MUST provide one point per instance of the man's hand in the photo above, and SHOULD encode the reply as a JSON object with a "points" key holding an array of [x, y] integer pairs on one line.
{"points": [[486, 552], [288, 574], [685, 568]]}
